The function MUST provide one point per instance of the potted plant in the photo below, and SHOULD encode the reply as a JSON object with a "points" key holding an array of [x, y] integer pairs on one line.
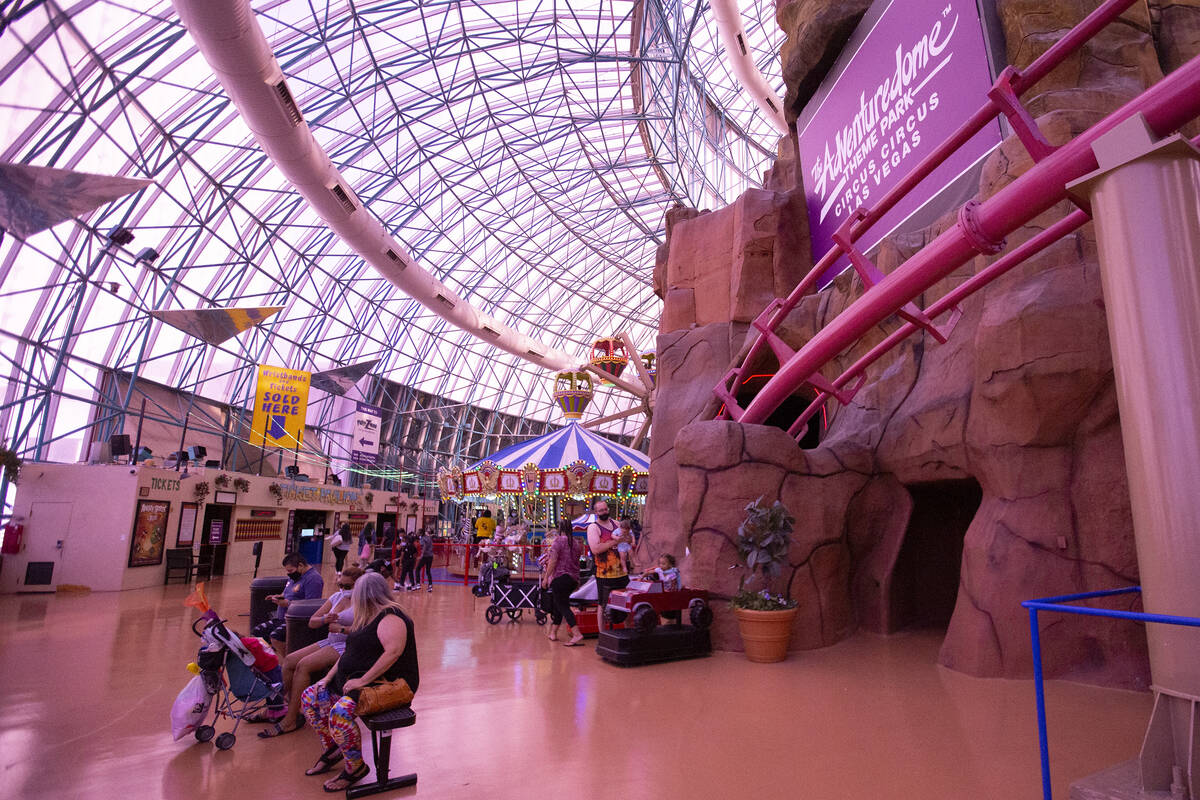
{"points": [[221, 480], [241, 484], [277, 492], [201, 491], [764, 619], [11, 463]]}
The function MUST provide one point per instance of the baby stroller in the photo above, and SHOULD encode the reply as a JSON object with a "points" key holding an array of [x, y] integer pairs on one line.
{"points": [[242, 675], [492, 571]]}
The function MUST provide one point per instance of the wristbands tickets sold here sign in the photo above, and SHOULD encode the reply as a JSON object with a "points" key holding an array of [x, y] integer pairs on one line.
{"points": [[920, 70], [280, 405]]}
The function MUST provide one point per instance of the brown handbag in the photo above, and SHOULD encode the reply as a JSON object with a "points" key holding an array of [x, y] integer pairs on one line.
{"points": [[380, 696]]}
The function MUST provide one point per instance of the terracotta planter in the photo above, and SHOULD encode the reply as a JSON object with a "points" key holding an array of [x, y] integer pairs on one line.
{"points": [[765, 634]]}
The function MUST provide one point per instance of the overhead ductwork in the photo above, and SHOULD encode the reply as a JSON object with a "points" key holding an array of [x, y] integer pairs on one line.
{"points": [[733, 38], [228, 35]]}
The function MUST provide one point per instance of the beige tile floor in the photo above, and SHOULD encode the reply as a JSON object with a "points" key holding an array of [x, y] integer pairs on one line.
{"points": [[86, 682]]}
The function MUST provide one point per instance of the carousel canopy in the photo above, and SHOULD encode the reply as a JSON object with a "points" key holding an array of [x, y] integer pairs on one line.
{"points": [[559, 448]]}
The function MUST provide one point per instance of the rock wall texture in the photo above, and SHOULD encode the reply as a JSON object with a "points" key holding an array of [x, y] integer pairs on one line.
{"points": [[1020, 401]]}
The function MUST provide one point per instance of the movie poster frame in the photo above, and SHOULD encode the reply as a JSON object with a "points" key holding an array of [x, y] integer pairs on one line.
{"points": [[139, 533], [184, 508]]}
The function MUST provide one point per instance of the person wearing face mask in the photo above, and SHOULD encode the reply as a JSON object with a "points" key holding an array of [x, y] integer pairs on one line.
{"points": [[604, 537], [304, 583]]}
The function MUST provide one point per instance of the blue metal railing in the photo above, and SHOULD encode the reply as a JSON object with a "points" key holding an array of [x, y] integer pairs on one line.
{"points": [[1058, 604]]}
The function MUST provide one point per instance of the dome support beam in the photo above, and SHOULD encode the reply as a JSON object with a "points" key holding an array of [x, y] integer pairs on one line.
{"points": [[228, 35]]}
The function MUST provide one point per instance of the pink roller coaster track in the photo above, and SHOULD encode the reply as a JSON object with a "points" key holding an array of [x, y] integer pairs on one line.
{"points": [[980, 229]]}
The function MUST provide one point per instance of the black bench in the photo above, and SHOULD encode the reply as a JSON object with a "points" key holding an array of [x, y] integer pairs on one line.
{"points": [[182, 559], [381, 727]]}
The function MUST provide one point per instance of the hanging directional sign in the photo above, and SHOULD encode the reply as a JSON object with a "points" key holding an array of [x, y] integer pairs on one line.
{"points": [[367, 423], [280, 405]]}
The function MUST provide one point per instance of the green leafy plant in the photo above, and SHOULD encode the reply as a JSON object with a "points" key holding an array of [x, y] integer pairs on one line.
{"points": [[277, 492], [11, 463], [221, 480], [241, 484], [761, 600], [764, 539], [201, 491]]}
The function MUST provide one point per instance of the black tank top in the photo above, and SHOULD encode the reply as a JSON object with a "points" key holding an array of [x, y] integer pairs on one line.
{"points": [[363, 649]]}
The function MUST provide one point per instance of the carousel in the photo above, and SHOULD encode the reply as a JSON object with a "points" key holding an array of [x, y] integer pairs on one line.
{"points": [[544, 478]]}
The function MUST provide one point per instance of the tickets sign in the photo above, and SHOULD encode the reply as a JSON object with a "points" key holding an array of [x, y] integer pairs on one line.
{"points": [[280, 405], [920, 69]]}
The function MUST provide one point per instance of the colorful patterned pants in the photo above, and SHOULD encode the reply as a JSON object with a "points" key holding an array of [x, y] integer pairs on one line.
{"points": [[334, 722]]}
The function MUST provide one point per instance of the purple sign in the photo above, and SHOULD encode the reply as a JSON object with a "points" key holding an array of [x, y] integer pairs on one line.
{"points": [[918, 73], [364, 449]]}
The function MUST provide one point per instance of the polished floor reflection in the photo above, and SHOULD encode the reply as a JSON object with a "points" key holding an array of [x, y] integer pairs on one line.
{"points": [[88, 681]]}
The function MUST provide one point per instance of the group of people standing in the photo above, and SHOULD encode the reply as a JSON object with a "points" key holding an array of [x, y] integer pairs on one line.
{"points": [[416, 559], [415, 553]]}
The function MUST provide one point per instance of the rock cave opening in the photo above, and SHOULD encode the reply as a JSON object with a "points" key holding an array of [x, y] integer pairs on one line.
{"points": [[788, 412], [924, 585]]}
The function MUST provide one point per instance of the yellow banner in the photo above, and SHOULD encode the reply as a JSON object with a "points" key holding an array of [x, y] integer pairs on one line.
{"points": [[280, 403]]}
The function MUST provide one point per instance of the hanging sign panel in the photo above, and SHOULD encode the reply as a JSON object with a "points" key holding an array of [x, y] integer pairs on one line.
{"points": [[280, 405], [910, 77], [367, 423]]}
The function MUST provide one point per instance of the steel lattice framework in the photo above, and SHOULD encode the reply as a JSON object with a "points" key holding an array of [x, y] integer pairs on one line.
{"points": [[523, 152]]}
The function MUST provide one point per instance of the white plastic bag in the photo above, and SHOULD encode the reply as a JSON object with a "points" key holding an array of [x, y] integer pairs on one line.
{"points": [[586, 592], [336, 541], [190, 709]]}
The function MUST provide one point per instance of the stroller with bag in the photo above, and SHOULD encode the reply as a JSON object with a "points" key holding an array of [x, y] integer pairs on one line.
{"points": [[238, 676]]}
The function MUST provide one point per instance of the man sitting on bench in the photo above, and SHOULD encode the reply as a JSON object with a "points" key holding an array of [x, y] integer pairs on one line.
{"points": [[304, 583]]}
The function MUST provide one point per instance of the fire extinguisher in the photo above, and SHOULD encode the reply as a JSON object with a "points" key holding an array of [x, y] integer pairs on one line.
{"points": [[13, 532]]}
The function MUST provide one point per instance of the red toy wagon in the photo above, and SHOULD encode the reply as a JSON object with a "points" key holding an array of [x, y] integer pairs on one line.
{"points": [[646, 602]]}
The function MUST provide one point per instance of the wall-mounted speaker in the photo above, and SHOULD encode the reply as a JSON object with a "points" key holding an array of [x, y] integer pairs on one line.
{"points": [[120, 444]]}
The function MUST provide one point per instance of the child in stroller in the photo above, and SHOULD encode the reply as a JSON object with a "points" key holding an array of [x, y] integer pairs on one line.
{"points": [[493, 570]]}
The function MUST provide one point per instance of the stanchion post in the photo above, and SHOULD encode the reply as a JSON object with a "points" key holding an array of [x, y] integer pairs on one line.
{"points": [[1040, 693]]}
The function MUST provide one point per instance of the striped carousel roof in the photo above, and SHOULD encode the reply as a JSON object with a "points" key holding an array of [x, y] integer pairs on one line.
{"points": [[557, 449]]}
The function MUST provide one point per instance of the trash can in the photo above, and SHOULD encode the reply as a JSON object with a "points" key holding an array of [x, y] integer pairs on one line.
{"points": [[312, 548], [262, 609], [298, 633]]}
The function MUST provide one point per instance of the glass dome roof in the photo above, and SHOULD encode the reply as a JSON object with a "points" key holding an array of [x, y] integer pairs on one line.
{"points": [[524, 153]]}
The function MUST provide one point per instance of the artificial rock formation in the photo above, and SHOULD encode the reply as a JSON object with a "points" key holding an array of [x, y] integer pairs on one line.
{"points": [[1017, 411]]}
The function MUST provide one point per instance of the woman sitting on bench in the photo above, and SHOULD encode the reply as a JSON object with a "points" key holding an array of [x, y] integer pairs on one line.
{"points": [[380, 645], [306, 664]]}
